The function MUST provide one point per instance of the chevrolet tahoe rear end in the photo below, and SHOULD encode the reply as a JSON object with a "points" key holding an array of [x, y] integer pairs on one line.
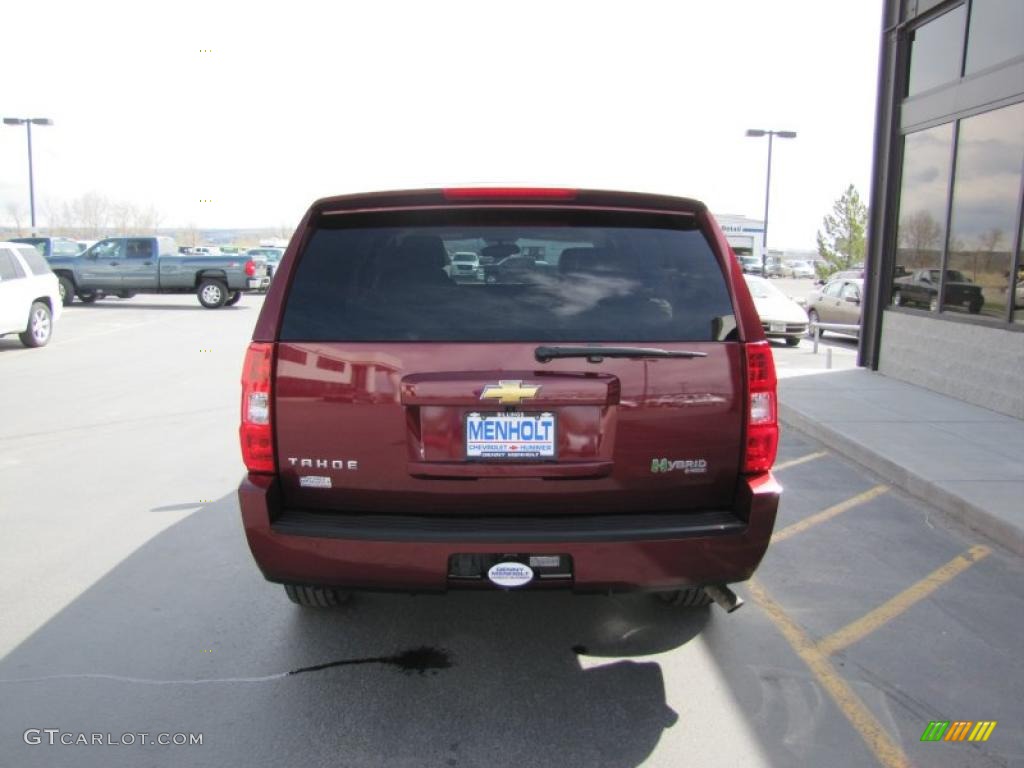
{"points": [[603, 419]]}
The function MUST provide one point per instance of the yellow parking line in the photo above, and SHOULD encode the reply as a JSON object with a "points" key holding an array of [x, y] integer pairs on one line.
{"points": [[827, 514], [878, 741], [801, 460], [890, 609]]}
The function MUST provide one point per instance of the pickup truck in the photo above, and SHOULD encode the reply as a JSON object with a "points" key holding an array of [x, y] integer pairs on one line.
{"points": [[921, 287], [125, 266]]}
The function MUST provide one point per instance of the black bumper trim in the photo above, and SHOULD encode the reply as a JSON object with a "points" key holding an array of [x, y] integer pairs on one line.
{"points": [[572, 528]]}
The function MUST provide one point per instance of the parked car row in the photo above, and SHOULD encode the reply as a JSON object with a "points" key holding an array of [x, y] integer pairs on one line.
{"points": [[39, 276], [838, 302], [797, 269], [751, 265]]}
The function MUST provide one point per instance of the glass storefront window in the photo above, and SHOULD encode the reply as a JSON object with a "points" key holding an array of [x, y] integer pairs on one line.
{"points": [[924, 190], [986, 187], [936, 53], [1018, 291], [996, 33]]}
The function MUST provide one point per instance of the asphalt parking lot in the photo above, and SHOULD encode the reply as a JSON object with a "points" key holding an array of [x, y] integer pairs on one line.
{"points": [[131, 605]]}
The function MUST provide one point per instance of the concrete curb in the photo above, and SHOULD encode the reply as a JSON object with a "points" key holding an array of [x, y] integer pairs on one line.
{"points": [[954, 506]]}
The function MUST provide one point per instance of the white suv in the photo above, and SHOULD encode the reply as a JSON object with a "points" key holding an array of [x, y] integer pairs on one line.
{"points": [[29, 294]]}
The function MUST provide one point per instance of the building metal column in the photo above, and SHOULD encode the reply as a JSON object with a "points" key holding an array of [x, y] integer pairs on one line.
{"points": [[881, 240]]}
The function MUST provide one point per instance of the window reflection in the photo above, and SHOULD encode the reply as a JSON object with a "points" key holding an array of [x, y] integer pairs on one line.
{"points": [[984, 215], [1018, 291], [996, 33], [936, 52], [924, 191]]}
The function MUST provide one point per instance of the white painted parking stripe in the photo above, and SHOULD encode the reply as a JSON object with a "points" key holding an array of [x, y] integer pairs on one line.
{"points": [[797, 462]]}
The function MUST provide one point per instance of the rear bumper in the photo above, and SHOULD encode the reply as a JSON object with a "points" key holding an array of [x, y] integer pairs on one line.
{"points": [[608, 552], [786, 331]]}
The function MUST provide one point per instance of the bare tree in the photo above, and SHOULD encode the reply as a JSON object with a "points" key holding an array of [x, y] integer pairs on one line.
{"points": [[122, 218], [16, 213], [920, 231], [920, 238], [190, 235], [989, 241], [91, 214], [146, 220], [988, 245]]}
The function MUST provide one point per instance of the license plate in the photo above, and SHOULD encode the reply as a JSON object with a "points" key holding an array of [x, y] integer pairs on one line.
{"points": [[510, 435], [777, 327]]}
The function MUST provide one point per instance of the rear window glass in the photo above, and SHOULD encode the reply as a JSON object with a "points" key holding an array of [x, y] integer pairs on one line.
{"points": [[9, 267], [542, 277], [65, 248], [34, 260]]}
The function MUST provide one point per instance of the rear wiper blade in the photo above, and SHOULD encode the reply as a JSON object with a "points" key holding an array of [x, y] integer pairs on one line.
{"points": [[596, 354]]}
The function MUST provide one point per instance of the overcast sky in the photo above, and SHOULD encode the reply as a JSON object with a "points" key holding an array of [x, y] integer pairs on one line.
{"points": [[299, 100]]}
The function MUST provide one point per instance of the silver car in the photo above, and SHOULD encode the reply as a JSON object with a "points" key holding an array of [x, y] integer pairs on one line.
{"points": [[838, 301]]}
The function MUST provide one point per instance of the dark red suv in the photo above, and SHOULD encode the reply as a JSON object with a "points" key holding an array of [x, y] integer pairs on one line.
{"points": [[602, 417]]}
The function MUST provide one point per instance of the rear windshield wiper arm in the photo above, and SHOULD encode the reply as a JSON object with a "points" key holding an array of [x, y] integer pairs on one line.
{"points": [[597, 354]]}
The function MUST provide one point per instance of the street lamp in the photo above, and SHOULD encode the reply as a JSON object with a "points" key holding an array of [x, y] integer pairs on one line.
{"points": [[28, 122], [756, 133]]}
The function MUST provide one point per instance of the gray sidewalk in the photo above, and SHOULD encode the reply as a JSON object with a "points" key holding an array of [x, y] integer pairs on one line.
{"points": [[965, 460]]}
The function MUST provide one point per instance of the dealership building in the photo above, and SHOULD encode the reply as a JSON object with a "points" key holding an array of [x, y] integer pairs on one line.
{"points": [[745, 235], [944, 294]]}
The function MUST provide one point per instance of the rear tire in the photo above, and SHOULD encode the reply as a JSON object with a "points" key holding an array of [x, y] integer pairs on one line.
{"points": [[67, 290], [233, 299], [126, 294], [40, 326], [316, 597], [933, 305], [212, 293], [88, 297], [694, 597], [897, 299]]}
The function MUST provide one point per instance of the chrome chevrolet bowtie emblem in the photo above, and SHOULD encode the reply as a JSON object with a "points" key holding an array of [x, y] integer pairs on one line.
{"points": [[510, 392]]}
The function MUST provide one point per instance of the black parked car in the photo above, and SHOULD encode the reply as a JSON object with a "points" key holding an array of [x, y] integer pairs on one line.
{"points": [[921, 287]]}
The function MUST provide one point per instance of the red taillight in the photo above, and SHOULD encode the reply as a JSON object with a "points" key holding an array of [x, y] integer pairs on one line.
{"points": [[509, 193], [250, 268], [762, 409], [256, 432]]}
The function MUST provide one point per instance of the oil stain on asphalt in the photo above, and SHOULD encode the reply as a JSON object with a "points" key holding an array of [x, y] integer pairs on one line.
{"points": [[422, 660]]}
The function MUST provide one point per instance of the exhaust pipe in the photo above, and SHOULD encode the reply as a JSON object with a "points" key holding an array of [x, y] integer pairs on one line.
{"points": [[727, 600]]}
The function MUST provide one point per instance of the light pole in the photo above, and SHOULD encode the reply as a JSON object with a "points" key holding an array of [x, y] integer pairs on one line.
{"points": [[757, 133], [28, 122]]}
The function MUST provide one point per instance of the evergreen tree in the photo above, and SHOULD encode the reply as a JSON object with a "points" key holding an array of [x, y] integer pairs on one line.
{"points": [[842, 244]]}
